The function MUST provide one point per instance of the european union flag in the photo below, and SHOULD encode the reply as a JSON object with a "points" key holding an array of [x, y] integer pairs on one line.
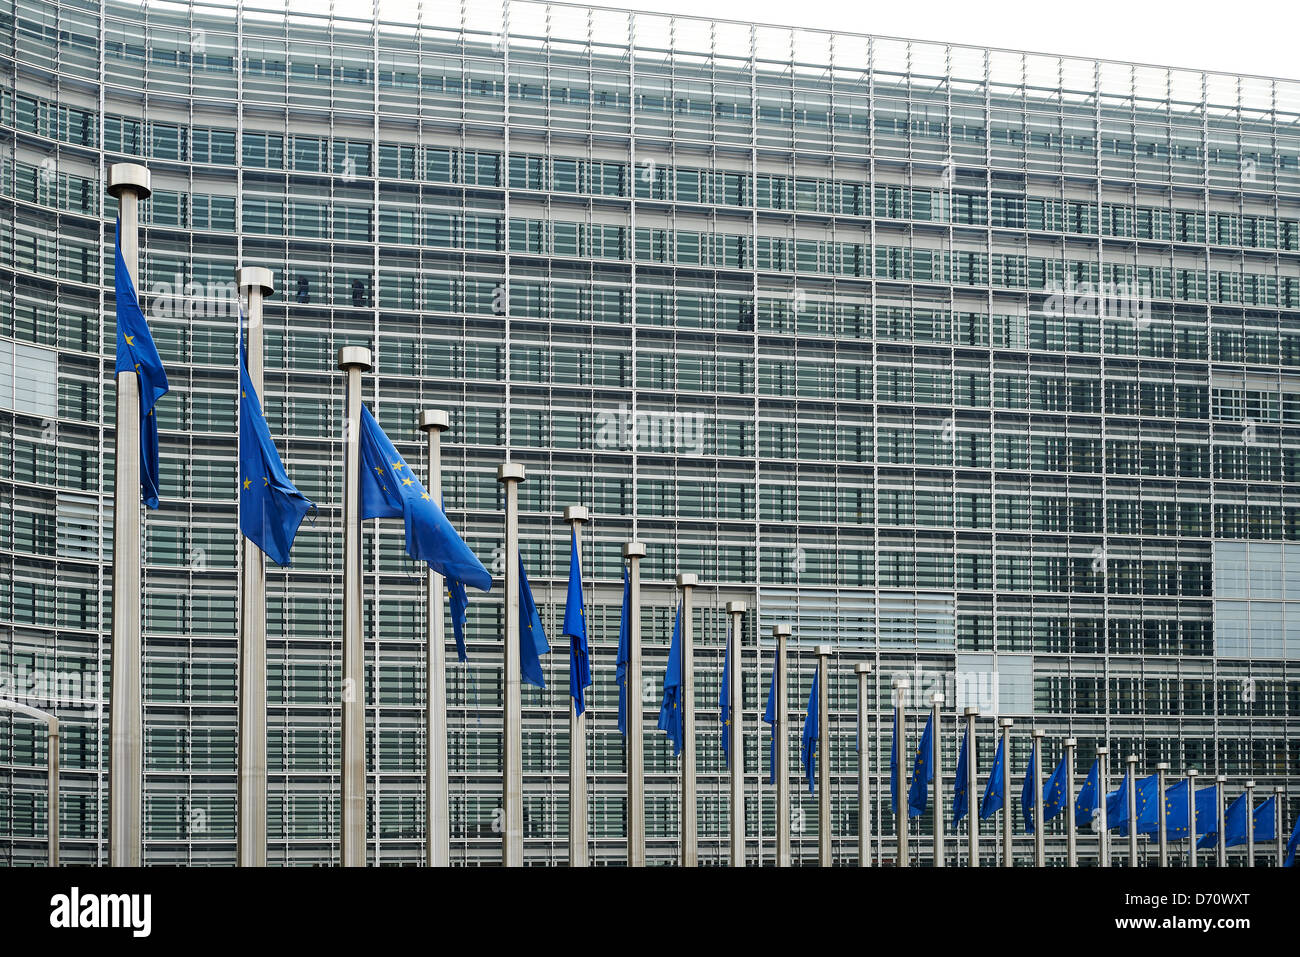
{"points": [[1117, 806], [575, 629], [1085, 805], [624, 652], [1027, 792], [991, 803], [1292, 844], [532, 639], [137, 353], [769, 716], [918, 795], [459, 608], [960, 799], [1266, 820], [671, 718], [1054, 796], [1176, 822], [1234, 822], [724, 706], [270, 506], [1207, 814], [808, 749], [389, 490], [1147, 794]]}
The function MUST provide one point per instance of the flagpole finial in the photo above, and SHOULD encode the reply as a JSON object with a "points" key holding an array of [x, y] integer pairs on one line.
{"points": [[1162, 765], [129, 176], [1103, 750], [510, 472], [576, 513], [936, 698], [634, 550], [901, 682], [255, 277], [862, 668], [687, 580], [1250, 783], [1008, 722], [972, 712], [431, 419], [822, 651], [736, 608], [1071, 742], [781, 631], [354, 357], [1038, 733]]}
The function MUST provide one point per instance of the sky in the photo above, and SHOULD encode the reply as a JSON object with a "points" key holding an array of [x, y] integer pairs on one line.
{"points": [[1257, 37]]}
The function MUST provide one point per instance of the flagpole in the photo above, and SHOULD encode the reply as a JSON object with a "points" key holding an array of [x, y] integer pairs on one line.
{"points": [[1071, 842], [634, 552], [1040, 839], [1280, 793], [782, 635], [863, 671], [1007, 860], [1250, 823], [972, 811], [936, 762], [690, 829], [260, 282], [1191, 816], [510, 474], [735, 733], [1100, 816], [1162, 812], [437, 816], [129, 183], [1220, 845], [575, 515], [900, 772], [1132, 761], [353, 360], [825, 856]]}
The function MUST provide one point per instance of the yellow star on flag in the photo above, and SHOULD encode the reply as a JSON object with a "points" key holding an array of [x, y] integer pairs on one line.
{"points": [[248, 483], [130, 341]]}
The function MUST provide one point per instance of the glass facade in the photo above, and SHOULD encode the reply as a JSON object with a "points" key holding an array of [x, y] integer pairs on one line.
{"points": [[979, 365]]}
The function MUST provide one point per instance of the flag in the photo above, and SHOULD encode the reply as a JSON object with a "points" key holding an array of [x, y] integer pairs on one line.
{"points": [[575, 629], [808, 749], [1117, 806], [1027, 791], [137, 353], [459, 608], [532, 639], [389, 490], [769, 715], [960, 799], [1054, 796], [1207, 813], [918, 795], [1176, 822], [1234, 822], [1147, 794], [624, 652], [724, 706], [671, 718], [1292, 844], [991, 803], [1085, 805], [270, 506], [1266, 820]]}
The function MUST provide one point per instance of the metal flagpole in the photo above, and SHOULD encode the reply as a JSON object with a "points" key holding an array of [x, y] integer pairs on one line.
{"points": [[782, 635], [510, 474], [353, 360], [260, 283], [1279, 846], [634, 552], [1132, 761], [936, 754], [972, 808], [823, 755], [1071, 843], [130, 183], [51, 772], [575, 515], [1191, 816], [1250, 823], [1007, 860], [900, 771], [736, 735], [863, 671], [1099, 818], [1040, 839], [1161, 768], [1220, 844], [690, 828], [437, 813]]}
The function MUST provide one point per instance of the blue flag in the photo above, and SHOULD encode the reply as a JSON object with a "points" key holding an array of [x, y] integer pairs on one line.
{"points": [[389, 490], [1234, 822], [1054, 796], [671, 718], [991, 803], [960, 799], [808, 749], [769, 716], [532, 639], [918, 795], [1147, 794], [270, 506], [137, 353], [1292, 844], [575, 629], [1085, 805], [1176, 821], [1207, 814], [624, 652], [1027, 791], [1117, 806], [459, 599], [1266, 820], [724, 707]]}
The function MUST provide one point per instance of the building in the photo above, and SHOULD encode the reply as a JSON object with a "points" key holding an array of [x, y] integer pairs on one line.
{"points": [[841, 292]]}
